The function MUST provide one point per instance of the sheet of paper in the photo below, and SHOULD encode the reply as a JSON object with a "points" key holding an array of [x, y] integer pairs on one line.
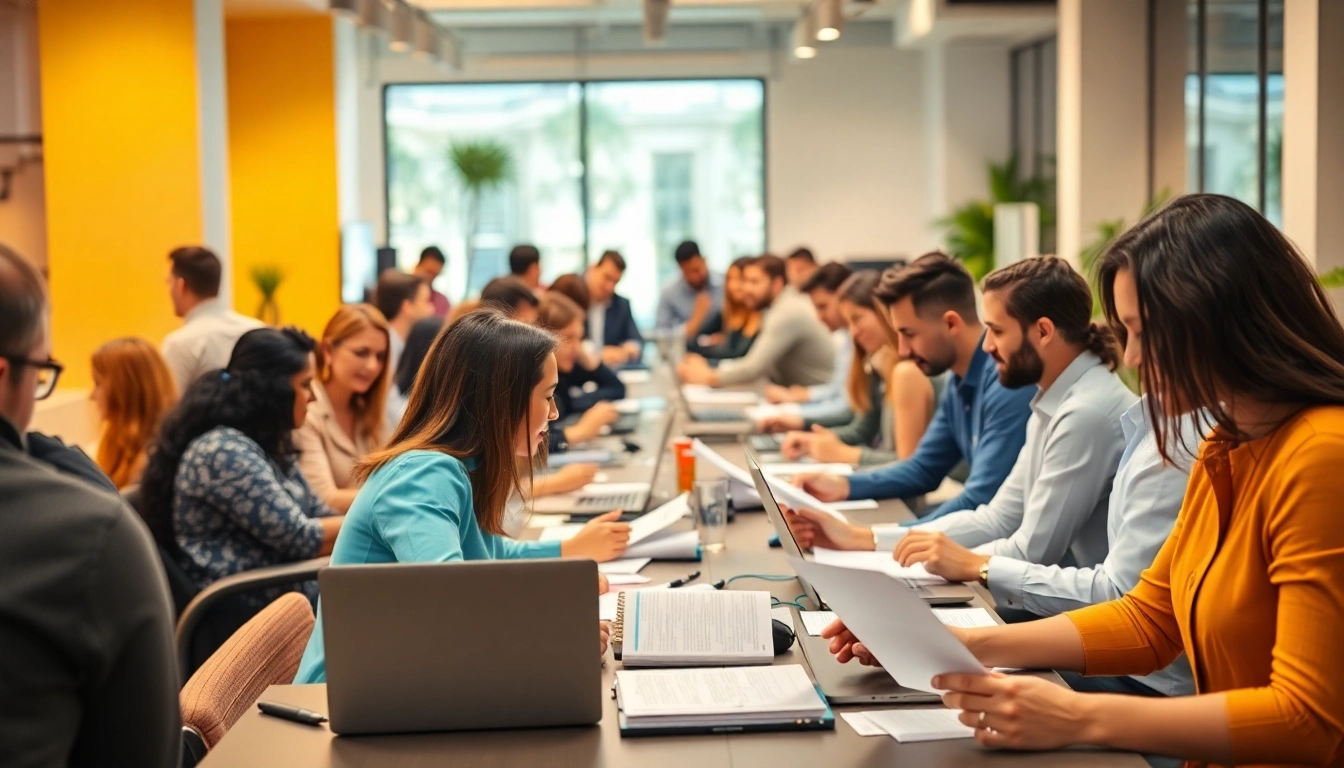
{"points": [[881, 562], [611, 489], [900, 630], [634, 376], [606, 604], [722, 464], [965, 617], [794, 496], [648, 524], [626, 579], [782, 613], [668, 545], [771, 410], [579, 456], [815, 621], [546, 521], [861, 724], [626, 565], [789, 469], [726, 690], [559, 532], [628, 405], [698, 394], [679, 624], [853, 504], [907, 725]]}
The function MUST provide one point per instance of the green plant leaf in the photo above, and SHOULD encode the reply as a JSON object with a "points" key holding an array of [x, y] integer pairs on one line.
{"points": [[267, 278], [481, 164], [1332, 279]]}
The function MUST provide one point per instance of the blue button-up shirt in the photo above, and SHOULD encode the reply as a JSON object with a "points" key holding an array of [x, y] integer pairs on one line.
{"points": [[978, 420], [677, 303]]}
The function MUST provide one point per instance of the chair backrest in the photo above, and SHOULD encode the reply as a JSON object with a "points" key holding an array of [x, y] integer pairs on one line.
{"points": [[264, 652]]}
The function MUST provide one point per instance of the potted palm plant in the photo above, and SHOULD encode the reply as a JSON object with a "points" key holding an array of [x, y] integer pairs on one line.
{"points": [[480, 164], [267, 279], [969, 230]]}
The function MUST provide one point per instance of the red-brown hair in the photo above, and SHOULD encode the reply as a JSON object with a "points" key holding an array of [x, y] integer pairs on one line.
{"points": [[349, 320], [139, 393]]}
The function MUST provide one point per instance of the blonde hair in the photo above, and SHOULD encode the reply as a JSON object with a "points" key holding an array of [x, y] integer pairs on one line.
{"points": [[139, 394], [349, 320]]}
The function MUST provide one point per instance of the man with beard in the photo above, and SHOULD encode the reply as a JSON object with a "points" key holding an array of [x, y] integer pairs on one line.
{"points": [[931, 304], [792, 348], [1052, 509]]}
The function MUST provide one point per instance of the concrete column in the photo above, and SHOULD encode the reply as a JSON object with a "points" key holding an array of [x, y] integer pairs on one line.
{"points": [[212, 89]]}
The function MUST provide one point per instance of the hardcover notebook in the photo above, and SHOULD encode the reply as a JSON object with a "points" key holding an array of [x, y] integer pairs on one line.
{"points": [[692, 628], [657, 702]]}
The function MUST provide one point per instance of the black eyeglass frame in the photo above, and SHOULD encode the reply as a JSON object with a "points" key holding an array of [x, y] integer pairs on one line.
{"points": [[42, 365]]}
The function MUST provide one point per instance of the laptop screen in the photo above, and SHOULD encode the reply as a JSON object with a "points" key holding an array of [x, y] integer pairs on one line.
{"points": [[786, 540]]}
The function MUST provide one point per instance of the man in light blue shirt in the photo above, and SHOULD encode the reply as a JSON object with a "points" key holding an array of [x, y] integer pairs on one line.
{"points": [[687, 301], [932, 307]]}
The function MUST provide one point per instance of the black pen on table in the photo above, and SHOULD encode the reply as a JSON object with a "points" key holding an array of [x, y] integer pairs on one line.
{"points": [[294, 714], [684, 580]]}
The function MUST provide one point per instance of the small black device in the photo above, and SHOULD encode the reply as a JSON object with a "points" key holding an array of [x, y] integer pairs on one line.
{"points": [[308, 716], [631, 446], [783, 636], [771, 443]]}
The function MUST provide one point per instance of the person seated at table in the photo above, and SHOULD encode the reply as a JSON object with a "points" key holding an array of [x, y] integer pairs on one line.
{"points": [[1222, 313], [512, 296], [346, 418], [687, 301], [404, 301], [422, 335], [431, 265], [1053, 504], [931, 304], [525, 266], [611, 323], [587, 394], [826, 404], [132, 390], [891, 399], [800, 265], [576, 288], [223, 491], [474, 431], [792, 347], [728, 332]]}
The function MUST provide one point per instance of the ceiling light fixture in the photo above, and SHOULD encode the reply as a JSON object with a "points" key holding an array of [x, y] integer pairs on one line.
{"points": [[373, 15], [655, 21], [830, 19], [401, 27], [347, 8], [425, 37], [804, 37]]}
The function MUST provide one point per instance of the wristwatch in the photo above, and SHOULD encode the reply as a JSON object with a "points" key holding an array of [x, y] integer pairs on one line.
{"points": [[984, 573]]}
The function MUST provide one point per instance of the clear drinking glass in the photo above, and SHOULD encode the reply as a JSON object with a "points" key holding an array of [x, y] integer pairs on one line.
{"points": [[709, 504]]}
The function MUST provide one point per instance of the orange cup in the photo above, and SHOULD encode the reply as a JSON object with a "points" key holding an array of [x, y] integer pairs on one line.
{"points": [[685, 464]]}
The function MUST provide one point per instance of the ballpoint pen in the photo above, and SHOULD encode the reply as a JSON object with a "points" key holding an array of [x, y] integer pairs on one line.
{"points": [[295, 714], [683, 581]]}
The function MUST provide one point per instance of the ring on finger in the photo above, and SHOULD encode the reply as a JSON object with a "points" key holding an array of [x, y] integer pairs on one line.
{"points": [[981, 723]]}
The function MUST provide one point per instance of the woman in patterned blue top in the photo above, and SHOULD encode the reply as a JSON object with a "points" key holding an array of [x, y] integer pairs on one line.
{"points": [[474, 429], [222, 490]]}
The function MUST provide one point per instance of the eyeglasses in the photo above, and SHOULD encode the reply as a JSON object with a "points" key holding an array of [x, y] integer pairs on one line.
{"points": [[48, 372]]}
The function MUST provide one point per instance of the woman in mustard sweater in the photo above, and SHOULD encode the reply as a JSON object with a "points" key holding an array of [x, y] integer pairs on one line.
{"points": [[1223, 314]]}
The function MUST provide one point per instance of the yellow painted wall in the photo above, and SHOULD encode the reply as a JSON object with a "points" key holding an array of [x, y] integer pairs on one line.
{"points": [[121, 147], [282, 163]]}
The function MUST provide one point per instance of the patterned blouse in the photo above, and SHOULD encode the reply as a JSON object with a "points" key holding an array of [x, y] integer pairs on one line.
{"points": [[235, 510]]}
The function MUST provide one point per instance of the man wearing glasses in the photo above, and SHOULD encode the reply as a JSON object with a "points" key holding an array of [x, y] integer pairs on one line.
{"points": [[87, 670]]}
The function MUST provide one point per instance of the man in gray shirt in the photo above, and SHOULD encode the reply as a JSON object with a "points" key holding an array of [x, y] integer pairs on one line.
{"points": [[87, 670], [688, 300], [792, 346]]}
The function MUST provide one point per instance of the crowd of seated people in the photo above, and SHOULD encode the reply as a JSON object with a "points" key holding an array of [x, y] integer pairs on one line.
{"points": [[1123, 537]]}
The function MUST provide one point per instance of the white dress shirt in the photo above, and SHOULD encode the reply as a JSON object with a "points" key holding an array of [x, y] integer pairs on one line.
{"points": [[597, 324], [1054, 502], [1145, 500], [831, 400], [205, 341]]}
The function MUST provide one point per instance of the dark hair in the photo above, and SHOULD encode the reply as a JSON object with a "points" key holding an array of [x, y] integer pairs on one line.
{"points": [[933, 281], [432, 253], [1048, 287], [574, 287], [394, 289], [418, 341], [686, 251], [773, 266], [557, 311], [522, 257], [199, 268], [859, 289], [828, 277], [508, 292], [474, 390], [803, 253], [23, 305], [1229, 308], [252, 395], [615, 257]]}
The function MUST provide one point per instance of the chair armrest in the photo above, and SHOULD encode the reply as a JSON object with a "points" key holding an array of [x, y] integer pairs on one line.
{"points": [[247, 581]]}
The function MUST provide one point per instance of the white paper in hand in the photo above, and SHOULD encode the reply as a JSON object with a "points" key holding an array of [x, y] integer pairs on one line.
{"points": [[796, 497], [899, 628], [648, 524], [725, 466]]}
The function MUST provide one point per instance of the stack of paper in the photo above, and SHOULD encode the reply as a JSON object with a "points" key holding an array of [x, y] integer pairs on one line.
{"points": [[907, 725], [698, 394], [876, 561], [765, 411], [692, 628], [649, 534], [965, 617], [667, 701], [608, 604], [789, 469]]}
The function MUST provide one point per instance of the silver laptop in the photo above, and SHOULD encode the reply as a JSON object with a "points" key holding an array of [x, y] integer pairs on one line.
{"points": [[598, 501], [853, 683], [938, 594], [461, 646]]}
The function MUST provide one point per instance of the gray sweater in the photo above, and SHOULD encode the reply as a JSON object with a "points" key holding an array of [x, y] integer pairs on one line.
{"points": [[792, 347]]}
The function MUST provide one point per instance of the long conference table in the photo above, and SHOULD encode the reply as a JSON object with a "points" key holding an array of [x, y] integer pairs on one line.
{"points": [[258, 741]]}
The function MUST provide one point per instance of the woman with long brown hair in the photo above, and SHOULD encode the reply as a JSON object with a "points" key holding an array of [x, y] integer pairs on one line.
{"points": [[133, 390], [345, 421], [1220, 312], [474, 431], [728, 333]]}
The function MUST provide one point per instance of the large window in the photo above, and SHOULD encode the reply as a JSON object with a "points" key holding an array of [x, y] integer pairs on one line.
{"points": [[632, 166], [1234, 100]]}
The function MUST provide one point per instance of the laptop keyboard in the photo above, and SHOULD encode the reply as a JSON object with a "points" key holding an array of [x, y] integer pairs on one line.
{"points": [[630, 502], [717, 414]]}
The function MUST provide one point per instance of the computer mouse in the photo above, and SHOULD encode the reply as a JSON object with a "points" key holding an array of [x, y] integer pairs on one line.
{"points": [[783, 636], [773, 541], [631, 446]]}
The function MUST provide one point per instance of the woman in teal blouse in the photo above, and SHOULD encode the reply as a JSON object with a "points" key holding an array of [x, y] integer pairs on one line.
{"points": [[476, 420]]}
